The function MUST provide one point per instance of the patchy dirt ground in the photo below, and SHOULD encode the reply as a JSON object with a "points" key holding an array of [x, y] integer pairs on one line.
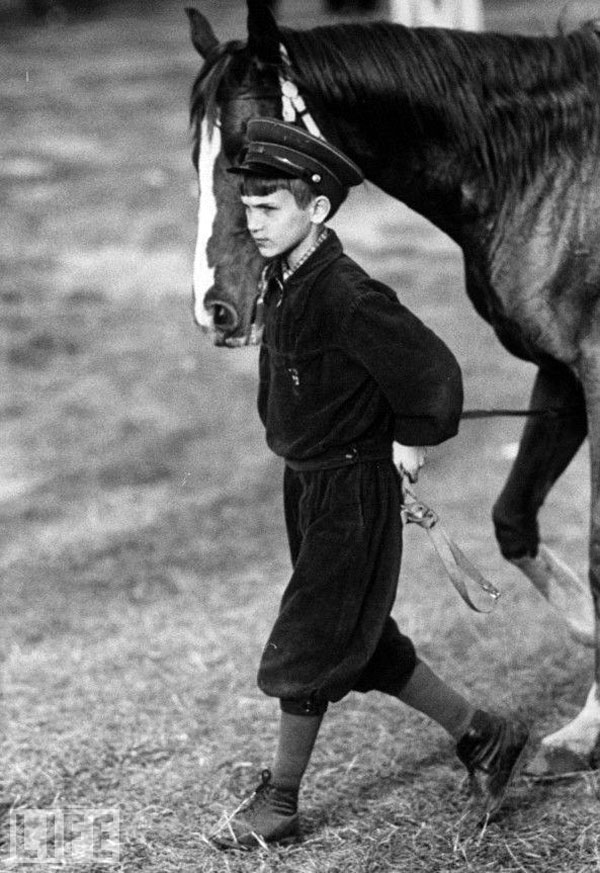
{"points": [[142, 550]]}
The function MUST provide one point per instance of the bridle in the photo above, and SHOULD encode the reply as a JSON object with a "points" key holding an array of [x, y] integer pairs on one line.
{"points": [[293, 109], [292, 102]]}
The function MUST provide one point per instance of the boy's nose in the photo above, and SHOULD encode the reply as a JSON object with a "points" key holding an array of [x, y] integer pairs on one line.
{"points": [[253, 223]]}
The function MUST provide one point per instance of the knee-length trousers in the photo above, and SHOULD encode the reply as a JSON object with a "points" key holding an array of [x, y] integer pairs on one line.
{"points": [[334, 632]]}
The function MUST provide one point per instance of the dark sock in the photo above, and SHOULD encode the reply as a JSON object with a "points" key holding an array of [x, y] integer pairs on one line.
{"points": [[427, 693], [297, 735]]}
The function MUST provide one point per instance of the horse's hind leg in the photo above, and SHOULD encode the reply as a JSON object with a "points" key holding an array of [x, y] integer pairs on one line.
{"points": [[576, 746], [547, 446]]}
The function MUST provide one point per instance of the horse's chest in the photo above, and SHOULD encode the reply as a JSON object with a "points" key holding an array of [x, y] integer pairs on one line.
{"points": [[532, 322], [541, 286], [540, 308]]}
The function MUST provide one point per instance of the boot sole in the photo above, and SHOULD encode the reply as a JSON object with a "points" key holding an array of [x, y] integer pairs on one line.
{"points": [[231, 844]]}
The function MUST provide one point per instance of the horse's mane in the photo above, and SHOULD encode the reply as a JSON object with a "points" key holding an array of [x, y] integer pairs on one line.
{"points": [[507, 101]]}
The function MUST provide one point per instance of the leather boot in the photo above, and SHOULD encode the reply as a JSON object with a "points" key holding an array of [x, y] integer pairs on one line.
{"points": [[269, 815], [493, 746]]}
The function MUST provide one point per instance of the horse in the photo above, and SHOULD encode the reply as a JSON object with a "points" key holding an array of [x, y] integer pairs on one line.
{"points": [[493, 138]]}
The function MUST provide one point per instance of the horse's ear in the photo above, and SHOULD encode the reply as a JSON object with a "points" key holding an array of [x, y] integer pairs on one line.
{"points": [[202, 34], [263, 33]]}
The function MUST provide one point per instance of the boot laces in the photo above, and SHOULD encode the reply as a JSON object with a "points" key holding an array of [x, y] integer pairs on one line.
{"points": [[279, 800]]}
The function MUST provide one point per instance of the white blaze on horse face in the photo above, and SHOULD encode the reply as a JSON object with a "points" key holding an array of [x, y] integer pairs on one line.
{"points": [[210, 146]]}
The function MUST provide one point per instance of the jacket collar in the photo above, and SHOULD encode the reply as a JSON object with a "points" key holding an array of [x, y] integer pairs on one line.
{"points": [[298, 287]]}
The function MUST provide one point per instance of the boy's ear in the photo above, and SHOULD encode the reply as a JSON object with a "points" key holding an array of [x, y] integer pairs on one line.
{"points": [[321, 209]]}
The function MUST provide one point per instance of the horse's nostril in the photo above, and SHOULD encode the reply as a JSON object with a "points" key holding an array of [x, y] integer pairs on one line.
{"points": [[220, 316], [225, 318]]}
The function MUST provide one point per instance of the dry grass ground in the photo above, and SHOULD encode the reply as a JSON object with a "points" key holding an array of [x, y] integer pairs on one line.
{"points": [[143, 553]]}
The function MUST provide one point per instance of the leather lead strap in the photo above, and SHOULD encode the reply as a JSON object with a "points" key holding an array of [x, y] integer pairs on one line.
{"points": [[458, 567]]}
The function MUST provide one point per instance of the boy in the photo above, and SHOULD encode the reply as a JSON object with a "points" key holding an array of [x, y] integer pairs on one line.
{"points": [[345, 371]]}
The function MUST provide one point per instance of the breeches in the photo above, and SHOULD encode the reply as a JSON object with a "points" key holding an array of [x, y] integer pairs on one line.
{"points": [[334, 632]]}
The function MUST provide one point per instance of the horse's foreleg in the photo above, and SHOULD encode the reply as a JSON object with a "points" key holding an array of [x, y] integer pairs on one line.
{"points": [[547, 446], [576, 746]]}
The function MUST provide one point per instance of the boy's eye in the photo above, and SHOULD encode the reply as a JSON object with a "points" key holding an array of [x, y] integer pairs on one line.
{"points": [[262, 208]]}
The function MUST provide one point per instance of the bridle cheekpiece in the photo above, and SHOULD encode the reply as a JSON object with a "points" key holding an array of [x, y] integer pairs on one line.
{"points": [[293, 109], [292, 102]]}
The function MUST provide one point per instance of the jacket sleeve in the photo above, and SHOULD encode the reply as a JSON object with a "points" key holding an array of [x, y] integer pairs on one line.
{"points": [[417, 373]]}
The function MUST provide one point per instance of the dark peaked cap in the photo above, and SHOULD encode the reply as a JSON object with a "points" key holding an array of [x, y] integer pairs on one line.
{"points": [[276, 148]]}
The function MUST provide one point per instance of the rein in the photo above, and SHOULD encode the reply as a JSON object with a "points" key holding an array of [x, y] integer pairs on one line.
{"points": [[461, 571], [550, 412], [458, 567], [294, 109]]}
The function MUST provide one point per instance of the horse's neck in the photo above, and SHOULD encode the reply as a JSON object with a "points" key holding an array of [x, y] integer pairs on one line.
{"points": [[445, 159], [430, 183]]}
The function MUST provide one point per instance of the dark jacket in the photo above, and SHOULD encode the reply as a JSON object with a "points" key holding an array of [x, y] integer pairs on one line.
{"points": [[343, 363]]}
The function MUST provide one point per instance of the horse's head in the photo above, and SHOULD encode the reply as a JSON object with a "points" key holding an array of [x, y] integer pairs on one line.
{"points": [[238, 81]]}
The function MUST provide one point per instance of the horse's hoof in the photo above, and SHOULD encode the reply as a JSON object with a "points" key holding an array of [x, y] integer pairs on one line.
{"points": [[563, 590], [555, 762]]}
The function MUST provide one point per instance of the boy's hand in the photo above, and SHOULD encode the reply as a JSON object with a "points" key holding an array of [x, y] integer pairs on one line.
{"points": [[409, 460]]}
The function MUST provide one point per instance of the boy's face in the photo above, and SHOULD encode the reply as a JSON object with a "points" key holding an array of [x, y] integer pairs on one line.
{"points": [[277, 224]]}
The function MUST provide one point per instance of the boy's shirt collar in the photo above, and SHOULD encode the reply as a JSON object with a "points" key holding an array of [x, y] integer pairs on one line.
{"points": [[287, 271]]}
